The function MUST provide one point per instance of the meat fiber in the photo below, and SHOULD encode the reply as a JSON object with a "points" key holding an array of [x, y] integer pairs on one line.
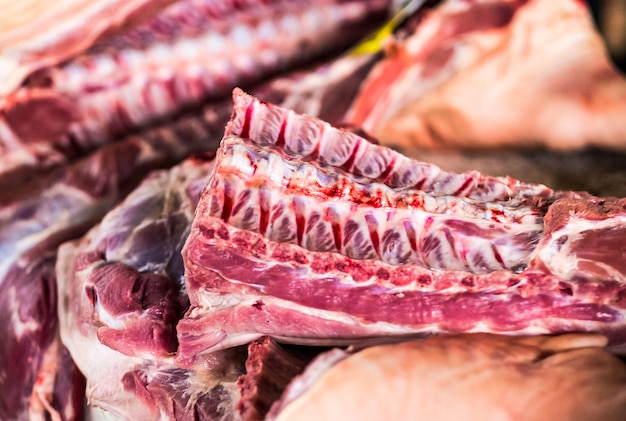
{"points": [[493, 73], [37, 377], [471, 377], [269, 369], [193, 52], [313, 234], [121, 293]]}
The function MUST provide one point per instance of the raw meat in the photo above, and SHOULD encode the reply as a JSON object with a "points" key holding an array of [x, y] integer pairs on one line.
{"points": [[193, 52], [36, 219], [493, 73], [37, 377], [36, 34], [269, 369], [471, 377], [314, 235], [121, 293], [158, 146], [138, 244]]}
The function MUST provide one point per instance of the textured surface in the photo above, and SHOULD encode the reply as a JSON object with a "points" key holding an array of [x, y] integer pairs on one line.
{"points": [[192, 53], [297, 212], [34, 34], [121, 294], [35, 220]]}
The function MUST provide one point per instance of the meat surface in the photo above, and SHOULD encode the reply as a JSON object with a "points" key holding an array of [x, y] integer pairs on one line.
{"points": [[37, 377], [35, 220], [312, 234], [36, 34], [193, 52], [496, 73], [129, 158], [306, 233], [270, 367], [121, 293], [471, 377]]}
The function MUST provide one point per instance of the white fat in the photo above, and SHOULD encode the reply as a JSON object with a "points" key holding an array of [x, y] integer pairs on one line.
{"points": [[562, 260], [213, 43], [93, 413], [19, 327], [290, 23], [209, 301], [266, 31], [241, 37], [107, 318]]}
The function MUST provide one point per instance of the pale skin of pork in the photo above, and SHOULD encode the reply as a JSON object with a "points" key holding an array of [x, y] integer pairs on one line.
{"points": [[542, 80], [471, 377]]}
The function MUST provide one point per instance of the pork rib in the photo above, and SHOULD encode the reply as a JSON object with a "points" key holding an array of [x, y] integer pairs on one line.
{"points": [[36, 34], [193, 52], [309, 233]]}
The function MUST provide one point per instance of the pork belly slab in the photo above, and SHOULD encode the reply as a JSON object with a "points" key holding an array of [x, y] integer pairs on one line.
{"points": [[314, 235]]}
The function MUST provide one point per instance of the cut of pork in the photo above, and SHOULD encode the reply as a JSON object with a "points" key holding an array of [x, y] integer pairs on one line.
{"points": [[120, 290], [122, 293], [36, 34], [157, 146], [37, 379], [494, 73], [314, 235], [490, 377], [270, 367], [128, 269], [193, 52], [34, 221]]}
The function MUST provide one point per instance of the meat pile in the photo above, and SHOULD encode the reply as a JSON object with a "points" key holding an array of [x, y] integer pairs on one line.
{"points": [[76, 137], [170, 253]]}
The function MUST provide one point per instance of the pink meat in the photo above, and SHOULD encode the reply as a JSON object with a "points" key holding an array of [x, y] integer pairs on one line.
{"points": [[120, 297], [462, 377], [309, 233], [35, 375]]}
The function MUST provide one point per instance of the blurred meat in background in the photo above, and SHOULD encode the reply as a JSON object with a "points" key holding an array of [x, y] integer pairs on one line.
{"points": [[610, 17]]}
